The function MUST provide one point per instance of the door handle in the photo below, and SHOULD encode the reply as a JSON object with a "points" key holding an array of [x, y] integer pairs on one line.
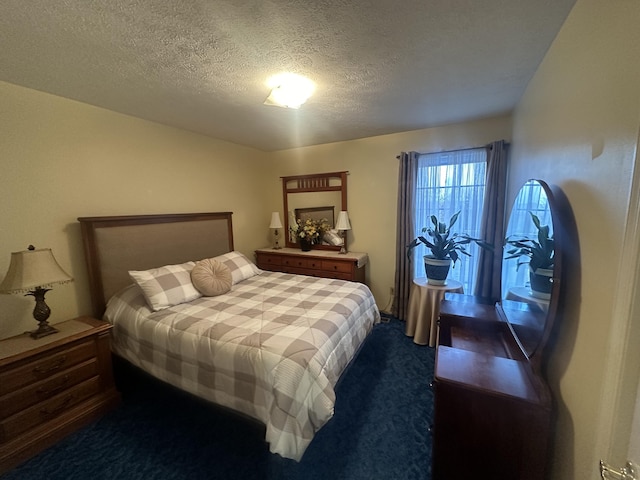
{"points": [[628, 472]]}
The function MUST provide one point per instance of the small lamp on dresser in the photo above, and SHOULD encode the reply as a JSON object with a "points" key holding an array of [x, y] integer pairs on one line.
{"points": [[342, 225], [32, 272], [276, 224]]}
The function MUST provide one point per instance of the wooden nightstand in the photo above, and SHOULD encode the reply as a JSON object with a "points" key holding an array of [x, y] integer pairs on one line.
{"points": [[316, 263], [52, 386]]}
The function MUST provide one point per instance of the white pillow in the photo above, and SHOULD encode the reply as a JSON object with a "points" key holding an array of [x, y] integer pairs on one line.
{"points": [[332, 237], [241, 267], [166, 286]]}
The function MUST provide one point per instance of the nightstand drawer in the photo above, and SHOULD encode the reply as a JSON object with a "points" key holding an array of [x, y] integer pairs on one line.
{"points": [[45, 366], [330, 266], [37, 392], [49, 409]]}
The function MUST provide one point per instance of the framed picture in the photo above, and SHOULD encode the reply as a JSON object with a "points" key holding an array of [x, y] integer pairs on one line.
{"points": [[317, 213]]}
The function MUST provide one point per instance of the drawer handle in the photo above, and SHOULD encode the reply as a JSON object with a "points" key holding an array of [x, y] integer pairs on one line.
{"points": [[51, 368], [61, 386], [55, 411]]}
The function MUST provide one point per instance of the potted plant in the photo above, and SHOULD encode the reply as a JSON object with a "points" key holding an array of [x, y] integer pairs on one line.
{"points": [[446, 247], [309, 231], [539, 254]]}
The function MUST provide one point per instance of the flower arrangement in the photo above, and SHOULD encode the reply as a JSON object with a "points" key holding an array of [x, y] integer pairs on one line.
{"points": [[309, 230]]}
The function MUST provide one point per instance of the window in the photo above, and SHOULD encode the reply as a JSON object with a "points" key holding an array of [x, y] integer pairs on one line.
{"points": [[449, 182]]}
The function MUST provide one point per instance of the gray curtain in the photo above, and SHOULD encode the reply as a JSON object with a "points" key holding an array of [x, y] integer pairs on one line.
{"points": [[488, 282], [408, 171]]}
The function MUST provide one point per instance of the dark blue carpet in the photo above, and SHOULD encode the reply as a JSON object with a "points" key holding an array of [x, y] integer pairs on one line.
{"points": [[379, 431]]}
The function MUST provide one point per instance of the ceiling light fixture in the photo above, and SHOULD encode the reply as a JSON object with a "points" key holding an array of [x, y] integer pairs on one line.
{"points": [[289, 90]]}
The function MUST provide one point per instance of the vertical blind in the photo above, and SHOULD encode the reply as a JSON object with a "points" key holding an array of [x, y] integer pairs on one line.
{"points": [[449, 182]]}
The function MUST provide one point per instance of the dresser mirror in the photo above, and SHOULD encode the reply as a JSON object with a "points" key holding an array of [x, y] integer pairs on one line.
{"points": [[529, 308], [321, 194]]}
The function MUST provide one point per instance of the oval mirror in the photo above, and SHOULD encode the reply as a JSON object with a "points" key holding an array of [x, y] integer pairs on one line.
{"points": [[531, 266]]}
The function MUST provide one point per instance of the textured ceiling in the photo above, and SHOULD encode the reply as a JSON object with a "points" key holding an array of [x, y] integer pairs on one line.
{"points": [[381, 66]]}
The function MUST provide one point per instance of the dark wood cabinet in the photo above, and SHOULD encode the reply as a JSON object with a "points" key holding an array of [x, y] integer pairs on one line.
{"points": [[493, 407], [492, 410], [52, 386], [316, 263]]}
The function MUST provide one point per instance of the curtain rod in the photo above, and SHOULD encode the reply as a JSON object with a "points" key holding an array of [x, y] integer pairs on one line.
{"points": [[457, 149]]}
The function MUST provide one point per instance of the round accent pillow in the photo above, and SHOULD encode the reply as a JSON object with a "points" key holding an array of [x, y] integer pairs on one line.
{"points": [[211, 277]]}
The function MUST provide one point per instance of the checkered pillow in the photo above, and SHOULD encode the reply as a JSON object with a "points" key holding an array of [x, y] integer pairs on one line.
{"points": [[166, 286], [241, 267]]}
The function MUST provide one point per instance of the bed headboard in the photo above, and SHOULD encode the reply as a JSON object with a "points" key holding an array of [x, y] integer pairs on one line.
{"points": [[114, 245]]}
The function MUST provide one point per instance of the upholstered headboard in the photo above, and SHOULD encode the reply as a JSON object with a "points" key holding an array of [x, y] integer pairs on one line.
{"points": [[115, 245]]}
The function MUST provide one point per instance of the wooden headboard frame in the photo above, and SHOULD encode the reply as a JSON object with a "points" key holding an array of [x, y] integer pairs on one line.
{"points": [[116, 244]]}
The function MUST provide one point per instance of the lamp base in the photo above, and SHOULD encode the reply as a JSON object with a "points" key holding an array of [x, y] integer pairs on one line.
{"points": [[342, 247], [43, 330]]}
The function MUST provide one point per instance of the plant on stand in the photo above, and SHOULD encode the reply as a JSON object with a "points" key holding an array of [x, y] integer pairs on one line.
{"points": [[446, 247], [309, 231], [539, 255]]}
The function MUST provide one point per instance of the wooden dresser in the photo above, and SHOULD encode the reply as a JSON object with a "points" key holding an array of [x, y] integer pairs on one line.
{"points": [[317, 263], [492, 407], [52, 386]]}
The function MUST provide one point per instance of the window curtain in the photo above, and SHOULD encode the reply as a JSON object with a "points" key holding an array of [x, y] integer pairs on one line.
{"points": [[493, 222], [405, 233], [449, 182]]}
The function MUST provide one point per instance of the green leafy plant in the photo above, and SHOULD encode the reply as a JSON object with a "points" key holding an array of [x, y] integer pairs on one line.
{"points": [[443, 243], [538, 253]]}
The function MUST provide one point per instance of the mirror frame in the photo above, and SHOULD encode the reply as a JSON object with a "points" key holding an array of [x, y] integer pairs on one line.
{"points": [[562, 220], [318, 182]]}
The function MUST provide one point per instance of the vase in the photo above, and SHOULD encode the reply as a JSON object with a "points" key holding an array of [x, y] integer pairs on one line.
{"points": [[305, 245], [541, 282], [437, 270]]}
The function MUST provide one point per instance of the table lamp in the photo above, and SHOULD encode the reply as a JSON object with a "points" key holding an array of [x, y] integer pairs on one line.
{"points": [[31, 272], [342, 225], [275, 225]]}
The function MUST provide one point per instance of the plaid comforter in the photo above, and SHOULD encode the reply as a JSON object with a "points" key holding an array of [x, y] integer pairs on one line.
{"points": [[272, 348]]}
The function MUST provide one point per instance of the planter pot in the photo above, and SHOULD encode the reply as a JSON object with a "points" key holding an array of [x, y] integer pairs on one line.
{"points": [[541, 283], [437, 270], [305, 245]]}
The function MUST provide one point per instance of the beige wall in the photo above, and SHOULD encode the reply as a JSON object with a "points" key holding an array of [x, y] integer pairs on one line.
{"points": [[577, 127], [373, 181], [62, 159]]}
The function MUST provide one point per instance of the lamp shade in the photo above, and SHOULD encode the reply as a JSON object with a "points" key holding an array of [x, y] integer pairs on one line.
{"points": [[343, 221], [33, 268], [275, 220]]}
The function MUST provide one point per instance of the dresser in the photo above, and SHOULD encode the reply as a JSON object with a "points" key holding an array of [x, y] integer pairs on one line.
{"points": [[52, 386], [316, 263], [494, 407]]}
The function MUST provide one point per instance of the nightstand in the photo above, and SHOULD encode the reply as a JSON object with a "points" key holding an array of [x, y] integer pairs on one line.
{"points": [[52, 386]]}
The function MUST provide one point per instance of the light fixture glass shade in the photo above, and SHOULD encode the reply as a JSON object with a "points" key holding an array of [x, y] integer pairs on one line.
{"points": [[289, 90], [275, 220], [343, 221], [30, 269]]}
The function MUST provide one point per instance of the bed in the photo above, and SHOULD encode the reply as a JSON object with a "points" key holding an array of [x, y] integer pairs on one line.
{"points": [[272, 347]]}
